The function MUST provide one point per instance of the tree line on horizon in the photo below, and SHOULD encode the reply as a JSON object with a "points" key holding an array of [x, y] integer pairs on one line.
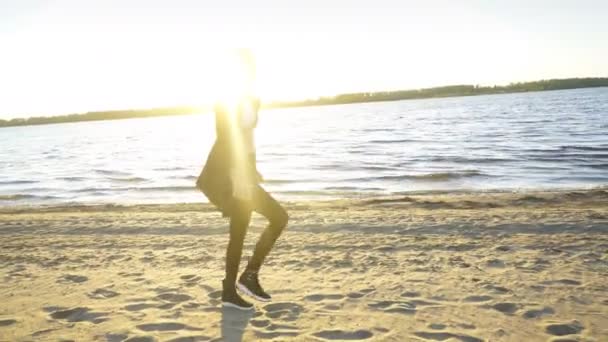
{"points": [[445, 91]]}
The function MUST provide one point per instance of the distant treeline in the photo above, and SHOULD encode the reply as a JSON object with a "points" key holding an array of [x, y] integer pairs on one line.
{"points": [[97, 116], [446, 91]]}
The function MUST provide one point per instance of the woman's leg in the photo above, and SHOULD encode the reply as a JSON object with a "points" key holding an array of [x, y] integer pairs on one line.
{"points": [[277, 217], [239, 221]]}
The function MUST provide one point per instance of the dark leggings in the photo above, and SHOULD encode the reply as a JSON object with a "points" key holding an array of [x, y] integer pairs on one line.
{"points": [[263, 204]]}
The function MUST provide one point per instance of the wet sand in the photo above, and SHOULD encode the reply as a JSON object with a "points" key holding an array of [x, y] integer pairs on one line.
{"points": [[446, 267]]}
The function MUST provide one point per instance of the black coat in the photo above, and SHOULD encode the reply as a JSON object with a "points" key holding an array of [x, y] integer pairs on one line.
{"points": [[214, 180]]}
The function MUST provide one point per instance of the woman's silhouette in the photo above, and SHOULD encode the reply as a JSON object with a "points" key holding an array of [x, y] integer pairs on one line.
{"points": [[231, 181]]}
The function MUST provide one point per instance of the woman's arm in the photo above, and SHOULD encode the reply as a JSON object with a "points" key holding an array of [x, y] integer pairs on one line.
{"points": [[258, 176]]}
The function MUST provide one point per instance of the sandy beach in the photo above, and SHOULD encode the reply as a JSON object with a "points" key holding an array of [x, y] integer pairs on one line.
{"points": [[441, 267]]}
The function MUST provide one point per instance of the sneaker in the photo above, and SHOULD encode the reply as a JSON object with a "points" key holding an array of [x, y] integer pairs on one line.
{"points": [[250, 285], [233, 300]]}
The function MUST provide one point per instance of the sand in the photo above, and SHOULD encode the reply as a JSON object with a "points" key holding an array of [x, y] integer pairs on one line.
{"points": [[442, 267]]}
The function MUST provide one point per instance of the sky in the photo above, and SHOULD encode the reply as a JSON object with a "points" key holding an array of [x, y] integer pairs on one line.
{"points": [[72, 56]]}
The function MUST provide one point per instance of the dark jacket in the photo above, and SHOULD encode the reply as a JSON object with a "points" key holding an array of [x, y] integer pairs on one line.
{"points": [[214, 180]]}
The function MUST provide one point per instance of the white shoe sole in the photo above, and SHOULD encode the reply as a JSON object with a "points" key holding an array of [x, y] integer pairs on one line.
{"points": [[232, 305], [246, 291]]}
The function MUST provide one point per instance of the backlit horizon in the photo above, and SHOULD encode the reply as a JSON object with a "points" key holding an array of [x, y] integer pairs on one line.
{"points": [[66, 57]]}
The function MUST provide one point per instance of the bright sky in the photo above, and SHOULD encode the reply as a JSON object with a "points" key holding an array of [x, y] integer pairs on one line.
{"points": [[67, 56]]}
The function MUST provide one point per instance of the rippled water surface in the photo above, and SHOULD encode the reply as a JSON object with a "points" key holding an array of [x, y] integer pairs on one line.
{"points": [[542, 140]]}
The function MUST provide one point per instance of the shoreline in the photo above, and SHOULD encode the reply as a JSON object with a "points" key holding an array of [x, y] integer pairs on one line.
{"points": [[12, 202], [550, 197], [470, 214]]}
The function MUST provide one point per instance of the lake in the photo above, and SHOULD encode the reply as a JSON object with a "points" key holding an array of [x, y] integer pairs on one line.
{"points": [[511, 142]]}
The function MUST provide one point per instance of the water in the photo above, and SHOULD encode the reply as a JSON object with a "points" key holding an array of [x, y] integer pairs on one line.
{"points": [[543, 140]]}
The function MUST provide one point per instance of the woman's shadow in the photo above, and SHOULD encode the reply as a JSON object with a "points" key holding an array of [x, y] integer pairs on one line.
{"points": [[234, 322]]}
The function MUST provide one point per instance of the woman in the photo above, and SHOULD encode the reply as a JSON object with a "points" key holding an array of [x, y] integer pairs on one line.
{"points": [[231, 182]]}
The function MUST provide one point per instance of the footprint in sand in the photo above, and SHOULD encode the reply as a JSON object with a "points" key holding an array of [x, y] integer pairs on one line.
{"points": [[407, 308], [562, 329], [190, 279], [410, 294], [466, 326], [259, 323], [503, 248], [174, 297], [206, 287], [165, 326], [332, 307], [147, 259], [321, 297], [421, 303], [496, 289], [437, 326], [115, 337], [79, 314], [272, 331], [537, 313], [102, 294], [7, 322], [140, 306], [443, 336], [506, 308], [360, 293], [215, 294], [190, 339], [127, 274], [72, 278], [285, 311], [344, 335], [495, 263], [565, 282], [140, 339], [275, 334], [192, 305], [477, 299]]}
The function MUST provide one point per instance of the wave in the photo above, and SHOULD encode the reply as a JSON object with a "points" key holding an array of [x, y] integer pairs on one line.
{"points": [[309, 193], [465, 160], [377, 130], [393, 141], [439, 176], [583, 178], [584, 148], [375, 168], [166, 188], [567, 157], [352, 188], [72, 179], [18, 197], [289, 181], [598, 166], [111, 172], [17, 182], [127, 179], [188, 178], [135, 189], [173, 168]]}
